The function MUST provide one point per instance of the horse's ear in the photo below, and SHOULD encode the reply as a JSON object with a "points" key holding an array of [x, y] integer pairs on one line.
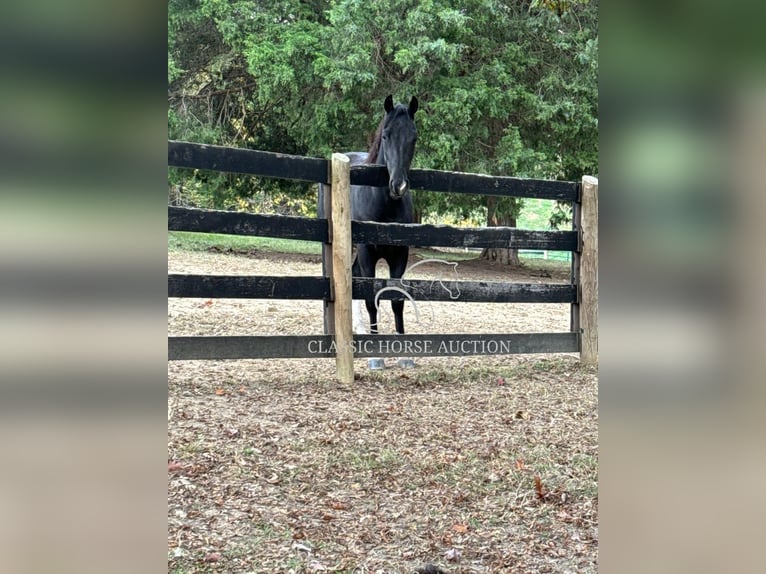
{"points": [[413, 106], [389, 103]]}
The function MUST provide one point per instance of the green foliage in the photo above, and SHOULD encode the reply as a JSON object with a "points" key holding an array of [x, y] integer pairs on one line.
{"points": [[561, 215], [506, 88]]}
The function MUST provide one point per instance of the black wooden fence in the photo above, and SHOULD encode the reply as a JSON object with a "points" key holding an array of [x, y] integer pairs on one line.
{"points": [[265, 164]]}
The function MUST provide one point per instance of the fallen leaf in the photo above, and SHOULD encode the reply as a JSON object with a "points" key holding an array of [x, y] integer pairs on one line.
{"points": [[539, 488], [302, 547], [460, 497], [212, 557], [500, 381], [452, 554], [460, 528], [522, 415], [220, 392], [273, 479], [519, 464], [174, 466], [337, 505]]}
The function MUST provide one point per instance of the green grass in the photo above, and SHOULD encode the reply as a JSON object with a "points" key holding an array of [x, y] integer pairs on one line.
{"points": [[535, 214], [426, 253], [188, 241], [361, 459]]}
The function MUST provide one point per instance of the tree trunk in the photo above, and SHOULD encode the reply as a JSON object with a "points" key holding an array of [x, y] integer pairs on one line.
{"points": [[496, 218], [417, 214]]}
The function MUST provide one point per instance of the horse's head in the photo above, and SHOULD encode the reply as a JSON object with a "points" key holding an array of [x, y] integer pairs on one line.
{"points": [[397, 144]]}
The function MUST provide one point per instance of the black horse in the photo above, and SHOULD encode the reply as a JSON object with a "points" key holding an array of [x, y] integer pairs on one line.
{"points": [[394, 147]]}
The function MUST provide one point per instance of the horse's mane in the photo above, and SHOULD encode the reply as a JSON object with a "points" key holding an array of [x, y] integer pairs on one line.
{"points": [[375, 147]]}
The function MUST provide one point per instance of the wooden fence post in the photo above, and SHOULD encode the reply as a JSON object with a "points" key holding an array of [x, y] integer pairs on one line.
{"points": [[589, 272], [341, 266], [328, 308]]}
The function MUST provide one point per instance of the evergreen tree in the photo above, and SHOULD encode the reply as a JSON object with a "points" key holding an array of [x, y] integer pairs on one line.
{"points": [[506, 87]]}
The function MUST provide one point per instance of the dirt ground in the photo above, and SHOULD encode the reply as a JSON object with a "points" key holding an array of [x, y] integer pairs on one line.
{"points": [[474, 464]]}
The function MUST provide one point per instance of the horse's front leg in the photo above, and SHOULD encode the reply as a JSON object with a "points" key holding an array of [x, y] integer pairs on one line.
{"points": [[397, 306], [397, 268], [374, 364], [372, 311], [364, 266]]}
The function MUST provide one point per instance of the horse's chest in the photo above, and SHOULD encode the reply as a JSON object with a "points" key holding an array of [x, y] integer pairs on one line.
{"points": [[380, 207]]}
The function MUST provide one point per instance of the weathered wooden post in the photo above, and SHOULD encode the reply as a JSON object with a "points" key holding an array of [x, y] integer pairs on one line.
{"points": [[588, 285], [325, 199], [341, 266]]}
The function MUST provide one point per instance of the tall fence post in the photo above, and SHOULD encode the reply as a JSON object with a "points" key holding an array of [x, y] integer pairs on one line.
{"points": [[341, 266], [325, 198], [588, 285]]}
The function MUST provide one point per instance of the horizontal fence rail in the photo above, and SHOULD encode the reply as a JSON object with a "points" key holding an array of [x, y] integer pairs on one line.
{"points": [[248, 287], [312, 229], [365, 346], [465, 291], [298, 168], [471, 183], [236, 223], [250, 162], [446, 236], [311, 287]]}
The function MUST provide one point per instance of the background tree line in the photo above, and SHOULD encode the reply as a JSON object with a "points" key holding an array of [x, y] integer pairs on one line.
{"points": [[505, 88]]}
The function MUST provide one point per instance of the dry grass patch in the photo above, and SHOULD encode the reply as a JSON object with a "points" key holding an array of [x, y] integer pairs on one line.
{"points": [[294, 473]]}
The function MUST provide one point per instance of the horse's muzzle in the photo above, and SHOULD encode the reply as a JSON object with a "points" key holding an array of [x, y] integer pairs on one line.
{"points": [[398, 189]]}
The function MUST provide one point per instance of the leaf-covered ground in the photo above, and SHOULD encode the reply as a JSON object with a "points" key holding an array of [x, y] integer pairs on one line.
{"points": [[482, 464]]}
